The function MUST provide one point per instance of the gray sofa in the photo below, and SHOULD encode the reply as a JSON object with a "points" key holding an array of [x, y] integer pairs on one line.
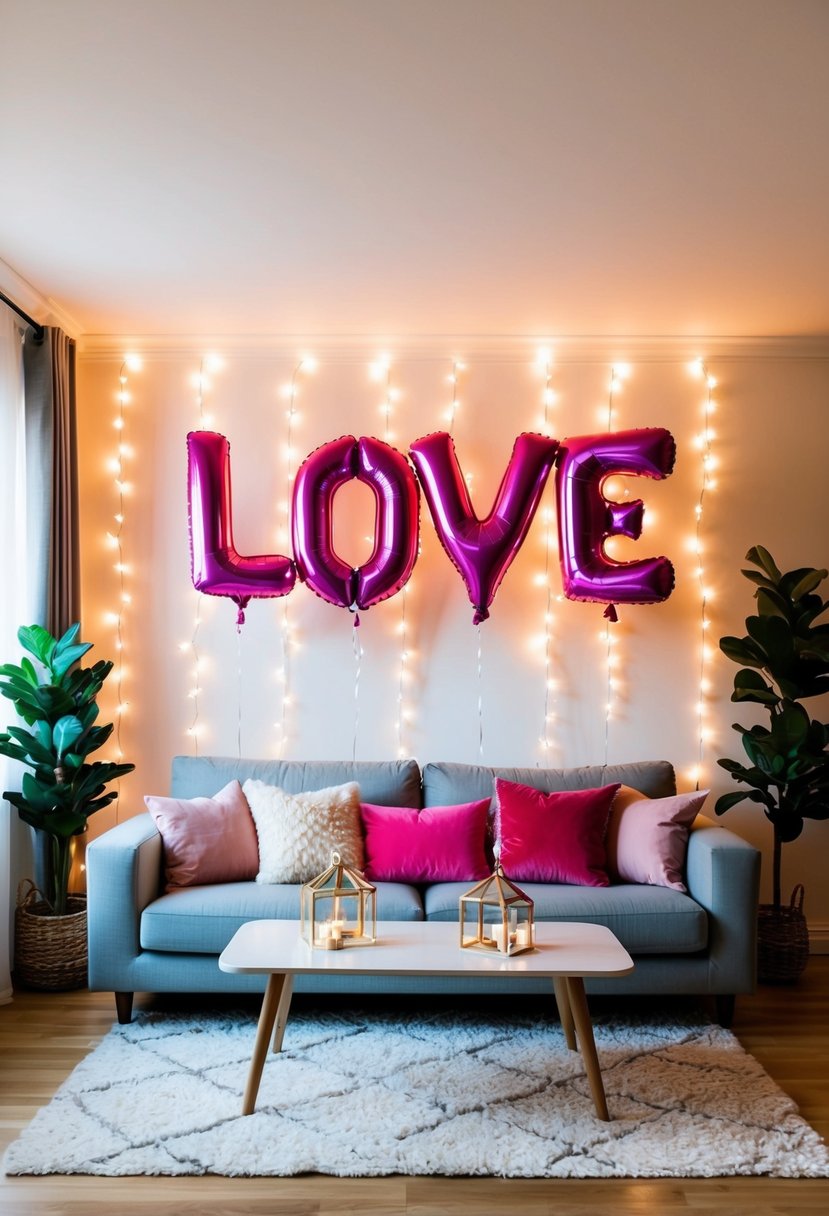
{"points": [[141, 939]]}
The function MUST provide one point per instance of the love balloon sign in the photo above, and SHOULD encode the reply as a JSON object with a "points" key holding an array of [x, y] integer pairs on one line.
{"points": [[482, 550]]}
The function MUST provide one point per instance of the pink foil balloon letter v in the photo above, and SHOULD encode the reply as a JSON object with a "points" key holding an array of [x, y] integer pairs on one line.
{"points": [[482, 549], [217, 568]]}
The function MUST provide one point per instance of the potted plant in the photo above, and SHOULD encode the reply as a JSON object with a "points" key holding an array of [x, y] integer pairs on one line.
{"points": [[784, 659], [56, 700]]}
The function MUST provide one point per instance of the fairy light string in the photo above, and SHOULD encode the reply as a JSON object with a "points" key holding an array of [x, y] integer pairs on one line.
{"points": [[619, 372], [704, 442], [115, 539], [454, 380], [307, 365], [201, 384], [381, 370], [544, 361]]}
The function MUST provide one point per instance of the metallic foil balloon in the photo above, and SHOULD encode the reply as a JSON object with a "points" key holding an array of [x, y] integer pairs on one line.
{"points": [[397, 499], [586, 518], [397, 521], [318, 478], [482, 549], [217, 568]]}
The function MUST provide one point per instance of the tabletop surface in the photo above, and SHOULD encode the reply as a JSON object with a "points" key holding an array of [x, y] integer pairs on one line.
{"points": [[425, 948]]}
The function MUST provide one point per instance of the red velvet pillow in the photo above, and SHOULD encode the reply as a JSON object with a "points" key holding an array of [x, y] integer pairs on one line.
{"points": [[557, 837], [437, 844]]}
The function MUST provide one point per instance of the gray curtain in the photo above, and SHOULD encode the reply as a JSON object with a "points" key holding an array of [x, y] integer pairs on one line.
{"points": [[52, 473]]}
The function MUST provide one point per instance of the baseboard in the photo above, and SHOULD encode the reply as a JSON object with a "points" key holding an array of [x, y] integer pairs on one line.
{"points": [[819, 938]]}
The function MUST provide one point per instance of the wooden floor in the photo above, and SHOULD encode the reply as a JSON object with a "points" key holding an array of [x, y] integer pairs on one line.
{"points": [[42, 1037]]}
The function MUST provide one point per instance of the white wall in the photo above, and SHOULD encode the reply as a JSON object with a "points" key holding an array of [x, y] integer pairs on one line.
{"points": [[772, 443]]}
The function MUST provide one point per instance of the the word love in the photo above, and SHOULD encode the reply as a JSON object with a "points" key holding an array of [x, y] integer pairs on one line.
{"points": [[481, 549]]}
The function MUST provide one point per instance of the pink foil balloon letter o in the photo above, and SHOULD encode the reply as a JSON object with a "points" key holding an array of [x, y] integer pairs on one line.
{"points": [[397, 501]]}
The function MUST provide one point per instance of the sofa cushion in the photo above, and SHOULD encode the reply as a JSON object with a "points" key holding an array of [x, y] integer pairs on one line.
{"points": [[206, 839], [646, 920], [555, 837], [202, 920], [445, 782], [647, 838], [389, 782], [300, 833], [438, 844]]}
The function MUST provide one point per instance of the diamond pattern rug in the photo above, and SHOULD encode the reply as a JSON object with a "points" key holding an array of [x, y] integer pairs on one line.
{"points": [[370, 1092]]}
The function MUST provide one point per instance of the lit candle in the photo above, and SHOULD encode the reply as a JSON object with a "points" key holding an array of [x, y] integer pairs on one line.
{"points": [[499, 937], [523, 938]]}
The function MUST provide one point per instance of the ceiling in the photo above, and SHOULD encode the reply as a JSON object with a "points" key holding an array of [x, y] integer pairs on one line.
{"points": [[505, 167]]}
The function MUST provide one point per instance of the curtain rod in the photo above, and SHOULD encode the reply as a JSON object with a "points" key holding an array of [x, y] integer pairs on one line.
{"points": [[39, 330]]}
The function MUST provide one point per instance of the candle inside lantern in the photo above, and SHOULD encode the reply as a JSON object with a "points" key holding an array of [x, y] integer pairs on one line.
{"points": [[523, 937], [499, 936]]}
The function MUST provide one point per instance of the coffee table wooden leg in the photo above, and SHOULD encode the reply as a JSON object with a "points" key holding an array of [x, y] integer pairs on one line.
{"points": [[565, 1013], [584, 1030], [282, 1012], [270, 1004]]}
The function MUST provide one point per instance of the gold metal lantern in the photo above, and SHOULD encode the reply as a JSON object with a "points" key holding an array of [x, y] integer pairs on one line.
{"points": [[338, 908], [496, 916]]}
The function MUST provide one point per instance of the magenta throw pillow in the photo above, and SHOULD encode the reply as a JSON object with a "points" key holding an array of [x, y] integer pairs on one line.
{"points": [[558, 837], [206, 839], [437, 844], [647, 838]]}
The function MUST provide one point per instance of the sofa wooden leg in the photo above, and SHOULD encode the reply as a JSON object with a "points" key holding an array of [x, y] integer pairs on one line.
{"points": [[123, 1007], [725, 1009]]}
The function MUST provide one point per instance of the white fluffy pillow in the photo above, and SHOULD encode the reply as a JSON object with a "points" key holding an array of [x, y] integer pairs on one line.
{"points": [[299, 832]]}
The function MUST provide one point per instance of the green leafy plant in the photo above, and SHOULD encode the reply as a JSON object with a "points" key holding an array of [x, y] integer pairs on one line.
{"points": [[56, 699], [784, 659]]}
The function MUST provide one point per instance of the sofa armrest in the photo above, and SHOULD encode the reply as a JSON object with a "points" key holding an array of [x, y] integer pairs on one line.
{"points": [[123, 873], [723, 875]]}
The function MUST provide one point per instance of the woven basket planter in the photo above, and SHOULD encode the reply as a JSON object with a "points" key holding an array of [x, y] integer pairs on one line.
{"points": [[782, 941], [50, 952]]}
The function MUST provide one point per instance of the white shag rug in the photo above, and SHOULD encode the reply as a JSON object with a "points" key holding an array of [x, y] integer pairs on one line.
{"points": [[369, 1093]]}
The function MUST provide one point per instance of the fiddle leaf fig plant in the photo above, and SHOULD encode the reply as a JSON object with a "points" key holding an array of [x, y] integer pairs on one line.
{"points": [[56, 700], [784, 659]]}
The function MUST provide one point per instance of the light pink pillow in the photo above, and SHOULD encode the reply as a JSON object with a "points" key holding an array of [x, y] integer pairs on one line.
{"points": [[558, 837], [437, 844], [647, 838], [206, 839]]}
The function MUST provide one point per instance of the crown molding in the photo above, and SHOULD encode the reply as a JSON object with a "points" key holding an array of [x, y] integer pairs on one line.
{"points": [[43, 309], [442, 347]]}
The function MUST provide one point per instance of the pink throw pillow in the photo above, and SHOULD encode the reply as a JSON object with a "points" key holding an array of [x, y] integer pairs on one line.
{"points": [[437, 844], [647, 838], [558, 837], [206, 839]]}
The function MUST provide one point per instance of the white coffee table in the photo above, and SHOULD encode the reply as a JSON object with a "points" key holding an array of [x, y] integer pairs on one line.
{"points": [[565, 953]]}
